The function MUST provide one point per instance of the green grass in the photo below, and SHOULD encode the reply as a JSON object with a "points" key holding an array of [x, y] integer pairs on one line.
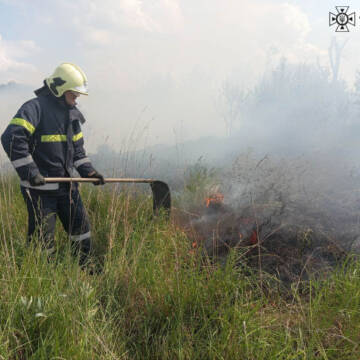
{"points": [[156, 298]]}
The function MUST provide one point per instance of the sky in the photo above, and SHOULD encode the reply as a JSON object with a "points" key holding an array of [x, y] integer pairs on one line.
{"points": [[155, 68]]}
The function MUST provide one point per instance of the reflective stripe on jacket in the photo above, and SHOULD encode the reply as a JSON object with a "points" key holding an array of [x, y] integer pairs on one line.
{"points": [[45, 136]]}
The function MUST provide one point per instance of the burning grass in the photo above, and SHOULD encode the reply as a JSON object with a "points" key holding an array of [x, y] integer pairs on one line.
{"points": [[288, 251], [292, 219], [158, 297]]}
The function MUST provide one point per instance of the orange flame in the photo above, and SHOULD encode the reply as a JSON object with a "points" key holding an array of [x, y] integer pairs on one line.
{"points": [[215, 199], [254, 238]]}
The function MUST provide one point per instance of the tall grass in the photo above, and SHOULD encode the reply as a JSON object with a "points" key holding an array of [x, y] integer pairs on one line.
{"points": [[156, 298]]}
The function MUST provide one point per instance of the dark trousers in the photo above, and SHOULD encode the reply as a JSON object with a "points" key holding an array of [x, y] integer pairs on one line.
{"points": [[44, 206]]}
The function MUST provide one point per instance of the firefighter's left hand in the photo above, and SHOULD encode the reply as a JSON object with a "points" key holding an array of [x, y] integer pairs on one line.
{"points": [[97, 175], [37, 180]]}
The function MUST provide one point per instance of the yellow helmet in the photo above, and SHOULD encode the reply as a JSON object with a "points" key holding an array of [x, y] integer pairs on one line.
{"points": [[66, 77]]}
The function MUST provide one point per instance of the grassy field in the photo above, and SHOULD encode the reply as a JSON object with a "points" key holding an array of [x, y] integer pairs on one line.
{"points": [[157, 298]]}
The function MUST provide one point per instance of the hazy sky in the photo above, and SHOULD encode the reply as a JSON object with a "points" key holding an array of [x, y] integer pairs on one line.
{"points": [[155, 67]]}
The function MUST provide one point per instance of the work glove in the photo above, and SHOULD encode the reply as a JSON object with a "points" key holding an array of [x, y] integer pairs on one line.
{"points": [[37, 180], [96, 175]]}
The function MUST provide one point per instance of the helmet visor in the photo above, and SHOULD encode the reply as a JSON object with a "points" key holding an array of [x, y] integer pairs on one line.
{"points": [[82, 89]]}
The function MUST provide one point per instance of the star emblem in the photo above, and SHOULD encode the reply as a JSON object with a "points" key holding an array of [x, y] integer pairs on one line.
{"points": [[342, 19]]}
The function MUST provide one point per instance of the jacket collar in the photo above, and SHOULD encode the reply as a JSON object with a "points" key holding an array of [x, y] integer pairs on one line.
{"points": [[74, 112]]}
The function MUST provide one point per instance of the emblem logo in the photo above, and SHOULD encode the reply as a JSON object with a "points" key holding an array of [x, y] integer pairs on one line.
{"points": [[342, 19]]}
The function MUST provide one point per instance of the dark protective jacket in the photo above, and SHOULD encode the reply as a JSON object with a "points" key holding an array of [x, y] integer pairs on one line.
{"points": [[45, 137]]}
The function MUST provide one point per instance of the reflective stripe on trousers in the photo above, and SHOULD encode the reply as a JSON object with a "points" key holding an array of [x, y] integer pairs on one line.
{"points": [[43, 209], [81, 237]]}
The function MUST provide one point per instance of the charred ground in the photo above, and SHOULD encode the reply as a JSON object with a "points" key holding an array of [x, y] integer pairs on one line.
{"points": [[292, 219]]}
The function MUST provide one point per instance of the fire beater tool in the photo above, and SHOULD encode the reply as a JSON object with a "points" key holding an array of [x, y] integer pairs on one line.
{"points": [[160, 190]]}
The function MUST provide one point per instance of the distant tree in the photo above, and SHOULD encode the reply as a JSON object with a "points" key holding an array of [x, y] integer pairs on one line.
{"points": [[298, 104], [356, 93], [231, 100], [335, 51], [106, 151]]}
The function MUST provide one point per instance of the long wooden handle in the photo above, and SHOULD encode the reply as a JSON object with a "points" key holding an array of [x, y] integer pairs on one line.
{"points": [[160, 190], [107, 180]]}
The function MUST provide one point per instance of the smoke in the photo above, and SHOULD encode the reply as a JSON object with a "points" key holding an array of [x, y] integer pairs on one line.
{"points": [[294, 197], [172, 82], [289, 217], [165, 56]]}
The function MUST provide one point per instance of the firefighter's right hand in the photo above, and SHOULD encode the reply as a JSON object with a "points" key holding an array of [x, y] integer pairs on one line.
{"points": [[37, 180], [96, 175]]}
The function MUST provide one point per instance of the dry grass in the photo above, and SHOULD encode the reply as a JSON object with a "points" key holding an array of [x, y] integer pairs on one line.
{"points": [[157, 297]]}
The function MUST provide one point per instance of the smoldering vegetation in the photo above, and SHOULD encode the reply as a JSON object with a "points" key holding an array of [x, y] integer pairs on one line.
{"points": [[291, 218], [288, 173], [292, 202]]}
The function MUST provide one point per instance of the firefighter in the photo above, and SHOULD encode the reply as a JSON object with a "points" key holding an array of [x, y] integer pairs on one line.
{"points": [[44, 139]]}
